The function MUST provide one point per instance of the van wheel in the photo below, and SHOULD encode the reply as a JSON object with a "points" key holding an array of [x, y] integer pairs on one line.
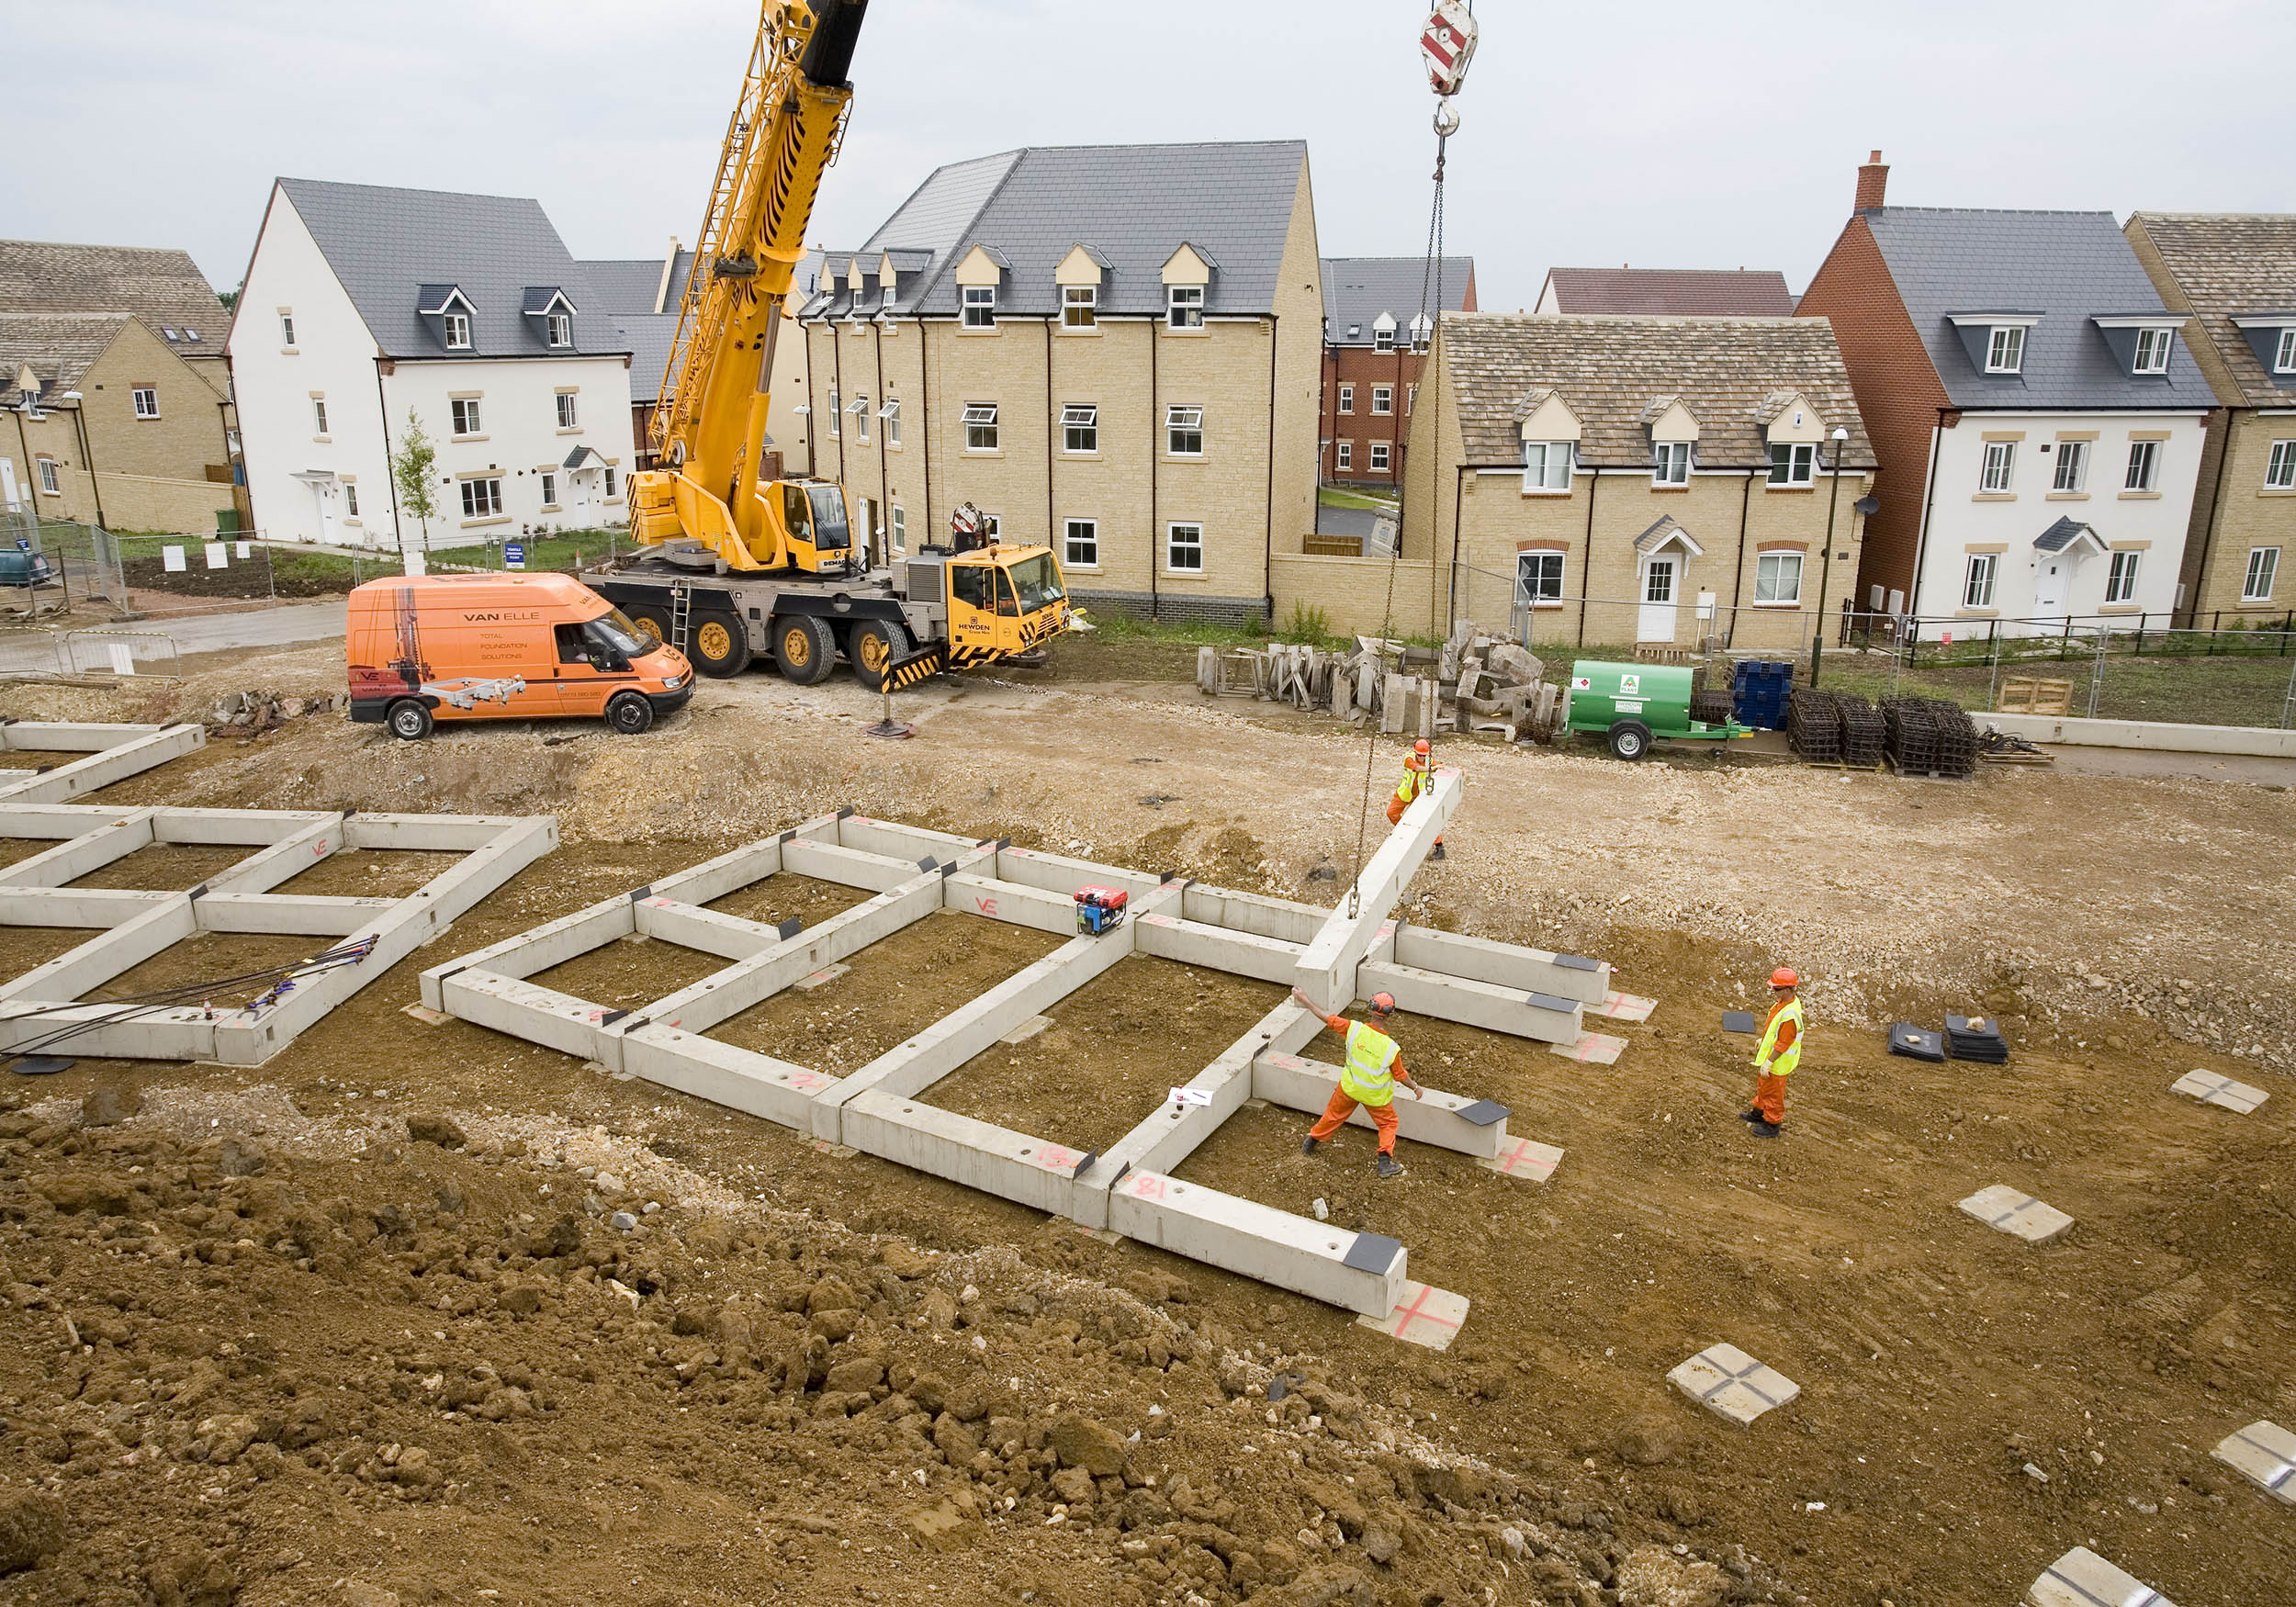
{"points": [[1630, 741], [876, 645], [805, 649], [652, 622], [718, 645], [409, 721], [630, 714]]}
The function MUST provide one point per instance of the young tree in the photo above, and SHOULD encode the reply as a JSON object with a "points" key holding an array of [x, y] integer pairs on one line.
{"points": [[410, 467]]}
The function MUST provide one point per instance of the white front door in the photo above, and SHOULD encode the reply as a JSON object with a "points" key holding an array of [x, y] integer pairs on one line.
{"points": [[1660, 586], [2049, 585], [324, 491]]}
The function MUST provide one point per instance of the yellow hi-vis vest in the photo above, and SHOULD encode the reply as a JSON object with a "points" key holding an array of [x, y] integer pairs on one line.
{"points": [[1368, 1078], [1414, 781], [1768, 1059]]}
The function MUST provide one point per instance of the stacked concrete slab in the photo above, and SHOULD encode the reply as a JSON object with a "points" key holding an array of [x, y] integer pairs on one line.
{"points": [[1333, 955]]}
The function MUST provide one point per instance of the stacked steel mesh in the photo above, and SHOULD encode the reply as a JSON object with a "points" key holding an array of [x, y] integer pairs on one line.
{"points": [[1930, 736], [1833, 727], [1864, 733]]}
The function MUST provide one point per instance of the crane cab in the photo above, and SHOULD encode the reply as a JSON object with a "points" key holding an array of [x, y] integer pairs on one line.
{"points": [[1003, 602], [796, 525]]}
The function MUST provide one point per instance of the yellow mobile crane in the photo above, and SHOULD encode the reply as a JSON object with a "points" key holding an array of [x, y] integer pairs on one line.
{"points": [[731, 563]]}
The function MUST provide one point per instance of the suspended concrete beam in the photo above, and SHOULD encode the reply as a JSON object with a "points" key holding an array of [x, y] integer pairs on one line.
{"points": [[1327, 971]]}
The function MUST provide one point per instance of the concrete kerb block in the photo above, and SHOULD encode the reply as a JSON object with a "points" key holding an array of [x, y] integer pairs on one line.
{"points": [[2211, 1088], [2082, 1578], [1259, 1242], [2010, 1211], [2264, 1453], [1731, 1384], [1447, 1121]]}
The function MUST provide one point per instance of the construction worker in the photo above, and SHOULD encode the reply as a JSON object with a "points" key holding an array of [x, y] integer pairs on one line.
{"points": [[1418, 776], [1374, 1067], [1778, 1054]]}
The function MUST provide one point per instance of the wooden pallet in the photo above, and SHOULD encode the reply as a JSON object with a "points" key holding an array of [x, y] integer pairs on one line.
{"points": [[2030, 694]]}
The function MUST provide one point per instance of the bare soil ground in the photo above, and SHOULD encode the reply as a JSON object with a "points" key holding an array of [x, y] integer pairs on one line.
{"points": [[262, 1347]]}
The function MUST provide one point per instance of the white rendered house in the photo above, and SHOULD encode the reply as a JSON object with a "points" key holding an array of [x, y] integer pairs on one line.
{"points": [[364, 305]]}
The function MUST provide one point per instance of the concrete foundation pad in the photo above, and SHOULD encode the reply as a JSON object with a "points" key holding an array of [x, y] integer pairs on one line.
{"points": [[1027, 1029], [819, 979], [1731, 1384], [1526, 1159], [1293, 1253], [2082, 1578], [1421, 1316], [1447, 1121], [2264, 1453], [1593, 1049], [2214, 1088], [1625, 1006], [2005, 1209]]}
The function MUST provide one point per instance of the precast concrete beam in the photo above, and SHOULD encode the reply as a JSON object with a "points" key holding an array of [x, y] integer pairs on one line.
{"points": [[706, 931], [1540, 1017], [896, 841], [1565, 976], [59, 821], [81, 855], [528, 1010], [846, 867], [438, 834], [1292, 1253], [97, 770], [1284, 920], [282, 860], [101, 1031], [1014, 903], [1014, 1165], [1059, 874], [1327, 970], [107, 955], [1217, 948], [69, 736], [552, 943], [1441, 1119], [289, 914], [740, 1079], [250, 829], [75, 907], [729, 873]]}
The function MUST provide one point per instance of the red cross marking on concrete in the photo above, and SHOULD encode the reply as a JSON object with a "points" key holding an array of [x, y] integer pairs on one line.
{"points": [[1404, 1320]]}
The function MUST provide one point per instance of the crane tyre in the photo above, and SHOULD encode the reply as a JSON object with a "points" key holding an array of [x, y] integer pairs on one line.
{"points": [[652, 620], [804, 648], [1630, 741], [630, 714], [876, 645], [408, 720], [718, 644]]}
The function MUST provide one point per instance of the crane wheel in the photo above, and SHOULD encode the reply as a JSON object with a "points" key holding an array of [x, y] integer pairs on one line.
{"points": [[651, 622], [718, 644], [876, 645], [804, 648]]}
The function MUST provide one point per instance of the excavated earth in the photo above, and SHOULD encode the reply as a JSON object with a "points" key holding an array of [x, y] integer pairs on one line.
{"points": [[358, 1326]]}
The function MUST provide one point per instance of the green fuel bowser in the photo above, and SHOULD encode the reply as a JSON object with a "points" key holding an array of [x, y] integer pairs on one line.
{"points": [[1631, 705]]}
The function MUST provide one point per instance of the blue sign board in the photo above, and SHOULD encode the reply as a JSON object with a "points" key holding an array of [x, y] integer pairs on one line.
{"points": [[514, 555], [24, 544]]}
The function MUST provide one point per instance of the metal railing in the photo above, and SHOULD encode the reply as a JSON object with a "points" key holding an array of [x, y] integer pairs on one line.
{"points": [[117, 653]]}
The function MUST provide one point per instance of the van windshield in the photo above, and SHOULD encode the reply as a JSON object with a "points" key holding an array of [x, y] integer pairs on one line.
{"points": [[615, 631]]}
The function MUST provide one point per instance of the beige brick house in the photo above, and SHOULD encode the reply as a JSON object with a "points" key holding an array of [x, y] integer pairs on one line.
{"points": [[2235, 274], [1110, 349], [1624, 480]]}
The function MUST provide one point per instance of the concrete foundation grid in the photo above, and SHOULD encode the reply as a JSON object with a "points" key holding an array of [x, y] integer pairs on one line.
{"points": [[1333, 955]]}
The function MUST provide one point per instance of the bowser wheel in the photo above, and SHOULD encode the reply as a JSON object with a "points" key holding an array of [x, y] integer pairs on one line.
{"points": [[1630, 741], [805, 649], [877, 643]]}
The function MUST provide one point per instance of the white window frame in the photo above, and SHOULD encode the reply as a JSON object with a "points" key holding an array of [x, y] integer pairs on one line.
{"points": [[557, 329], [350, 500], [2280, 468], [49, 485], [455, 326], [1080, 428], [1382, 338], [2121, 577], [1670, 462], [1181, 421], [1411, 400], [287, 330], [858, 407], [611, 492], [1980, 572], [465, 413], [549, 488], [1546, 466], [1381, 457], [1799, 466], [319, 415], [1173, 545], [1346, 399], [900, 528], [1343, 457], [2284, 354], [2151, 350], [982, 431], [1382, 401], [2005, 349], [146, 399], [888, 292], [891, 413], [2264, 569], [1539, 578], [1184, 307], [1080, 535], [1080, 307], [980, 307], [2071, 473], [1772, 569], [836, 401], [2144, 466], [1997, 468], [570, 414], [482, 497]]}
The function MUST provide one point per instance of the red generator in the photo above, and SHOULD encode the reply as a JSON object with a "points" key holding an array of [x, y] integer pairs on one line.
{"points": [[1100, 910]]}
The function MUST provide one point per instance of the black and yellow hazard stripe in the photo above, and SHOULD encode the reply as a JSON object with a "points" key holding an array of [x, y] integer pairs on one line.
{"points": [[915, 667]]}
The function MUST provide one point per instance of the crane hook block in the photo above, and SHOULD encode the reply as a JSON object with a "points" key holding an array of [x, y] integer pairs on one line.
{"points": [[1446, 44]]}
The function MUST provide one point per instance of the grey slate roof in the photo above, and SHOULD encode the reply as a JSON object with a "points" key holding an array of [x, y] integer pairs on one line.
{"points": [[1673, 292], [2071, 267], [2232, 265], [1357, 289], [1729, 371], [386, 243], [2062, 534], [161, 287], [1135, 204], [57, 347]]}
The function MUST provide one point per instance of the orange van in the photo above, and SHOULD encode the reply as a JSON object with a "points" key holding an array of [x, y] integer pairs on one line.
{"points": [[502, 647]]}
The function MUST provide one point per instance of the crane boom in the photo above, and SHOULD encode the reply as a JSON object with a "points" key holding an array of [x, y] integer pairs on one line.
{"points": [[709, 432]]}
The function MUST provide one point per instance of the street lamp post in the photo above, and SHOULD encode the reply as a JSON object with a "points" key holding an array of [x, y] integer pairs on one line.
{"points": [[1826, 564]]}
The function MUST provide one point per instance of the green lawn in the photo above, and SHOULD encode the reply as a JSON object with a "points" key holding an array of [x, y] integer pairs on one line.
{"points": [[573, 549], [2246, 689], [1333, 497]]}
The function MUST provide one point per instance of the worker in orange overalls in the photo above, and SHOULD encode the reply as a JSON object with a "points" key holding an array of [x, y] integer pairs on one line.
{"points": [[1777, 1055], [1418, 776], [1374, 1066]]}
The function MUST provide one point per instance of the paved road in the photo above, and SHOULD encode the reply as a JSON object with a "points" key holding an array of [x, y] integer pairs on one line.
{"points": [[1332, 520], [192, 634]]}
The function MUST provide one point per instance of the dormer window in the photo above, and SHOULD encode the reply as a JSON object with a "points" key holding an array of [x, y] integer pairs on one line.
{"points": [[2005, 352], [457, 329], [2152, 352], [1080, 307], [2284, 354], [1672, 465], [1383, 332], [1184, 307], [887, 289], [1546, 466], [557, 329], [1422, 329], [980, 307]]}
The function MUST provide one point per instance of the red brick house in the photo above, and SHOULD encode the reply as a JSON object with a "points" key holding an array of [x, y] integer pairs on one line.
{"points": [[1667, 292], [1371, 359]]}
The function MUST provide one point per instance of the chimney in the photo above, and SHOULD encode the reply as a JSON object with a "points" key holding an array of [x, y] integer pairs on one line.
{"points": [[1872, 180]]}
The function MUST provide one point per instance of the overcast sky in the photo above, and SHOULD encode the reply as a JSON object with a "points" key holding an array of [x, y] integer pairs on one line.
{"points": [[1666, 134]]}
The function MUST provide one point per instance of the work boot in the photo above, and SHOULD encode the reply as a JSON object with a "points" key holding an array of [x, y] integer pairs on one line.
{"points": [[1391, 1167], [1751, 1116], [1766, 1129], [1438, 852], [1308, 1145]]}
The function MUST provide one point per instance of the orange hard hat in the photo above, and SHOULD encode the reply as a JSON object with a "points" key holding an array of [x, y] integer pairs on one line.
{"points": [[1420, 747], [1784, 977], [1383, 1004]]}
